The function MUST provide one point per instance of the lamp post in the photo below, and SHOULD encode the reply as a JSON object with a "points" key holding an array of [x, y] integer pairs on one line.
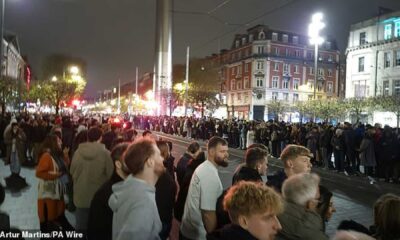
{"points": [[314, 29]]}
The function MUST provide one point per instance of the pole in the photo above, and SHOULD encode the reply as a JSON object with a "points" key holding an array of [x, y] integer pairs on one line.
{"points": [[187, 80], [2, 36], [119, 96], [137, 78], [315, 76]]}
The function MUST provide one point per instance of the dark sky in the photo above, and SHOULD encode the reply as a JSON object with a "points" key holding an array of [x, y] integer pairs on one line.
{"points": [[115, 36]]}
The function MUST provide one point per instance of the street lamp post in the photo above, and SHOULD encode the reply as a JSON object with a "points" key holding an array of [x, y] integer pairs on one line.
{"points": [[314, 29]]}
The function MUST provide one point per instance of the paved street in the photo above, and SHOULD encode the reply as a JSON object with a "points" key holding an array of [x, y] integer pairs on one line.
{"points": [[353, 196]]}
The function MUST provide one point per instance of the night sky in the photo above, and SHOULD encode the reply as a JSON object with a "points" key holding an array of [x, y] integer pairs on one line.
{"points": [[115, 36]]}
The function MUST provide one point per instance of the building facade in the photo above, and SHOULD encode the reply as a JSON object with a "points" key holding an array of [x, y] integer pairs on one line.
{"points": [[13, 62], [373, 57], [265, 65]]}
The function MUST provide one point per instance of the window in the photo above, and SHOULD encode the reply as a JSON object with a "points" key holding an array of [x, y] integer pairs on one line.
{"points": [[239, 54], [251, 37], [361, 61], [295, 97], [275, 82], [397, 29], [311, 71], [246, 83], [261, 35], [319, 87], [276, 66], [287, 52], [296, 84], [321, 72], [286, 96], [259, 81], [274, 96], [387, 60], [233, 71], [243, 41], [246, 98], [277, 51], [310, 84], [396, 88], [232, 98], [296, 69], [330, 58], [360, 89], [330, 87], [388, 31], [246, 67], [285, 84], [239, 70], [295, 39], [260, 49], [274, 37], [260, 65], [237, 43], [310, 55], [285, 38], [363, 38], [239, 96], [329, 72], [397, 58], [297, 53], [239, 85], [386, 88], [233, 84], [286, 68]]}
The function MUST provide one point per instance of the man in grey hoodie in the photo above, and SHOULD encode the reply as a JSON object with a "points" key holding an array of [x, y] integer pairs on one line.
{"points": [[133, 200]]}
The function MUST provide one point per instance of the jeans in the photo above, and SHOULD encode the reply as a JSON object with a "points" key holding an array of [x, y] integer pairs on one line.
{"points": [[242, 142], [15, 165]]}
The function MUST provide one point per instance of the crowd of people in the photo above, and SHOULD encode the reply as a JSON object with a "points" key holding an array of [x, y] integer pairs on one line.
{"points": [[124, 185]]}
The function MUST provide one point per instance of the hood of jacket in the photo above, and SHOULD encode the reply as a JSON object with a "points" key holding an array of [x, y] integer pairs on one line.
{"points": [[90, 150]]}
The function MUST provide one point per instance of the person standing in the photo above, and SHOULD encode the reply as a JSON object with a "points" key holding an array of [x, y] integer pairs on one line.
{"points": [[199, 217], [91, 167], [133, 203]]}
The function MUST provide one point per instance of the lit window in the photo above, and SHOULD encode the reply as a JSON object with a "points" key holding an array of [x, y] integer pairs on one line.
{"points": [[296, 84], [237, 43], [388, 31], [261, 35], [243, 41], [274, 37], [275, 82], [397, 29], [385, 88], [295, 39], [285, 38]]}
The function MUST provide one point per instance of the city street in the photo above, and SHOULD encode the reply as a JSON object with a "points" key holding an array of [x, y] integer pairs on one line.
{"points": [[353, 196]]}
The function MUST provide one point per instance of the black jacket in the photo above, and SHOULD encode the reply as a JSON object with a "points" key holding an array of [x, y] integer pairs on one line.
{"points": [[181, 167], [275, 181], [100, 214], [165, 197], [246, 174], [230, 232]]}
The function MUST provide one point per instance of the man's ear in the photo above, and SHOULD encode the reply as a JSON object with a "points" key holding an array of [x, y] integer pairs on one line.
{"points": [[242, 220], [118, 164], [289, 163], [150, 162]]}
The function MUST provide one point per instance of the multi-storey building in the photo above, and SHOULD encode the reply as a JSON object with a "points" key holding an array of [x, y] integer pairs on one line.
{"points": [[13, 63], [266, 65], [373, 57]]}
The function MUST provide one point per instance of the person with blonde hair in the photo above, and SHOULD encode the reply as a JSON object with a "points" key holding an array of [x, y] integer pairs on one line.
{"points": [[253, 210], [300, 219]]}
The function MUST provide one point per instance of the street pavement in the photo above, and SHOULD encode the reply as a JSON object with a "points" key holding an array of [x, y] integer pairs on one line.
{"points": [[353, 196]]}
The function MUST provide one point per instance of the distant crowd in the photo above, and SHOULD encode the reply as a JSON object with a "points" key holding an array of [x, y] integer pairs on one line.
{"points": [[122, 182]]}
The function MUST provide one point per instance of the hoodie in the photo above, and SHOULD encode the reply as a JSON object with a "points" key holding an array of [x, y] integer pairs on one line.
{"points": [[135, 212], [91, 167]]}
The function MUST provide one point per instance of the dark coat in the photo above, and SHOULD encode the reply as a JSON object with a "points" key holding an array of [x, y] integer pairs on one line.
{"points": [[231, 232], [276, 181], [181, 167], [299, 223], [20, 144], [246, 174], [165, 197], [100, 214]]}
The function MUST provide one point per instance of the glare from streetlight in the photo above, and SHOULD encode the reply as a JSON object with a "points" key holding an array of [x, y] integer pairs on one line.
{"points": [[74, 70], [54, 79], [314, 29]]}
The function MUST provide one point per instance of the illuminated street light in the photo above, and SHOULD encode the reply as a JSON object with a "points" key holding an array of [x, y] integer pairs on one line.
{"points": [[74, 70], [314, 29], [54, 79]]}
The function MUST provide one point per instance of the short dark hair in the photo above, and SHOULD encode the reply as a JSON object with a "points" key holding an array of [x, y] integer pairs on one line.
{"points": [[94, 134], [118, 151], [147, 132], [138, 153], [258, 145], [215, 141], [193, 147], [255, 155]]}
